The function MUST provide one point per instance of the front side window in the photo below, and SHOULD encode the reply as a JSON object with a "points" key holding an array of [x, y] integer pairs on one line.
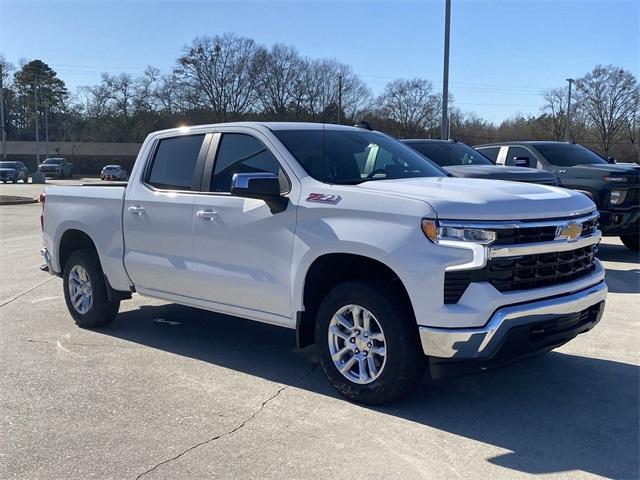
{"points": [[569, 155], [241, 153], [519, 152], [351, 157], [174, 162], [448, 154]]}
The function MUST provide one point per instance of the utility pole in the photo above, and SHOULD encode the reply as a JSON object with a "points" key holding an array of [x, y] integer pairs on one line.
{"points": [[444, 125], [339, 97], [46, 126], [35, 103], [567, 130], [3, 132]]}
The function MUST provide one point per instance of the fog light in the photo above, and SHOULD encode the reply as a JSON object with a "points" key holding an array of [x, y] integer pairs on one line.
{"points": [[617, 197]]}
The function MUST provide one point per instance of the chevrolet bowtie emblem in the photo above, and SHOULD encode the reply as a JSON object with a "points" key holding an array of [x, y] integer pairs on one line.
{"points": [[571, 231]]}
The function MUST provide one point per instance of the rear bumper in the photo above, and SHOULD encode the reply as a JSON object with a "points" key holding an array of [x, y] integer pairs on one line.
{"points": [[519, 330], [46, 258]]}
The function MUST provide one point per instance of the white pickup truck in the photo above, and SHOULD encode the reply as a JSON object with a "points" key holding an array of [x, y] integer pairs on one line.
{"points": [[346, 235]]}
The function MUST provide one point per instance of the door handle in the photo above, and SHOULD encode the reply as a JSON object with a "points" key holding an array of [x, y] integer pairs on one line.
{"points": [[135, 210], [207, 215]]}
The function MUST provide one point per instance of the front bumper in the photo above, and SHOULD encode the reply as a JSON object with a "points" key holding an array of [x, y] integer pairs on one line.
{"points": [[620, 221], [529, 327]]}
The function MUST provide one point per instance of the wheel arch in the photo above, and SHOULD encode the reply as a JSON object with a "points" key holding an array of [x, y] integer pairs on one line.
{"points": [[328, 270]]}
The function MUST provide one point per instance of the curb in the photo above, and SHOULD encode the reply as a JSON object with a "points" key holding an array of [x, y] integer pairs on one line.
{"points": [[18, 201]]}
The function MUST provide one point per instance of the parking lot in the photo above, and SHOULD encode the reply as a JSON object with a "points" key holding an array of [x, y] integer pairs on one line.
{"points": [[173, 392]]}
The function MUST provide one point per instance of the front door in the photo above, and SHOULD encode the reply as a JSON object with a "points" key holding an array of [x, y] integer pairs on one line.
{"points": [[243, 251]]}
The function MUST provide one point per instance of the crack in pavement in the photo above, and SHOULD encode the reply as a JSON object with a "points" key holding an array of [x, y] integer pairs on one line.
{"points": [[7, 302], [233, 430]]}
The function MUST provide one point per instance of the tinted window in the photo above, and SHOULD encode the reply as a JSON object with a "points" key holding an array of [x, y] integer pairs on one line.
{"points": [[351, 156], [447, 154], [240, 153], [174, 162], [491, 153], [520, 152], [568, 155]]}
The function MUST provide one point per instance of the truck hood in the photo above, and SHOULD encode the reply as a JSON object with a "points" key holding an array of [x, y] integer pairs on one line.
{"points": [[475, 199], [495, 172], [628, 170]]}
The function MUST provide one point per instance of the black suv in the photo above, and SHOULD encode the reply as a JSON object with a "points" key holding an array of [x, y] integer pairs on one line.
{"points": [[615, 188], [460, 160]]}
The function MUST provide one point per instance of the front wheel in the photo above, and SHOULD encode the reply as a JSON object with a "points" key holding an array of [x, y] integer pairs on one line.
{"points": [[85, 291], [631, 241], [368, 343]]}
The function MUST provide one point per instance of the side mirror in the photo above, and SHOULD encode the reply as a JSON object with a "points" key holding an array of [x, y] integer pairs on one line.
{"points": [[521, 161], [611, 160], [263, 186]]}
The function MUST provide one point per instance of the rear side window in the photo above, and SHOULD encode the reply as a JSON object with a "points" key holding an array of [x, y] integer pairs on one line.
{"points": [[174, 162], [241, 153], [491, 153]]}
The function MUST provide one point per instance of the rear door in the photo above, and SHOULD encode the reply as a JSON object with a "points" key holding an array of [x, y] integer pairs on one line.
{"points": [[157, 217], [243, 250]]}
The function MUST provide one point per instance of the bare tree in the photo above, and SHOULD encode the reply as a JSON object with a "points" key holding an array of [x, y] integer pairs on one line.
{"points": [[410, 103], [555, 106], [607, 96], [223, 70], [279, 81]]}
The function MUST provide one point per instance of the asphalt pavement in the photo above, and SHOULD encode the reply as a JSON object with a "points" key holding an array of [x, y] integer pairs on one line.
{"points": [[170, 392]]}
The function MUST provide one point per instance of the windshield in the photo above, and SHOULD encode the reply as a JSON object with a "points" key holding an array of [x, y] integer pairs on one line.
{"points": [[351, 157], [447, 154], [53, 161], [112, 167], [8, 165], [569, 155]]}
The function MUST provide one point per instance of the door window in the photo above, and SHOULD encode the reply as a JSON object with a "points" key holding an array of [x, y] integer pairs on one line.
{"points": [[241, 153], [174, 162], [491, 153], [519, 152]]}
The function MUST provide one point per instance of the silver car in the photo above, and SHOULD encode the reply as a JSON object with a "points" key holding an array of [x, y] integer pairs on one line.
{"points": [[113, 172], [13, 171]]}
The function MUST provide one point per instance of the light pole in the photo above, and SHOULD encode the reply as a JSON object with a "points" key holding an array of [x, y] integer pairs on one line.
{"points": [[35, 104], [3, 132], [444, 125], [567, 130]]}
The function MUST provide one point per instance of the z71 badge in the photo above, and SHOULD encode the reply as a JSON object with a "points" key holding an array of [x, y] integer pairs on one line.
{"points": [[323, 198]]}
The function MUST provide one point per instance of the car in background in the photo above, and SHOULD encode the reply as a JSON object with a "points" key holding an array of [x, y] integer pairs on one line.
{"points": [[113, 172], [614, 188], [13, 171], [57, 167], [460, 160]]}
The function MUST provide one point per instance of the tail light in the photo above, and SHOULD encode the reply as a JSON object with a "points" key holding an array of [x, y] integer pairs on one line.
{"points": [[42, 199]]}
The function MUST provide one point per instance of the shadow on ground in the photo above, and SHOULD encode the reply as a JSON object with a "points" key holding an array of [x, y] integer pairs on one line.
{"points": [[619, 280], [554, 413]]}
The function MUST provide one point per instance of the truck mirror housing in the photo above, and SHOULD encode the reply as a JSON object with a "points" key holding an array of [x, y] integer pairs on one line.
{"points": [[521, 161], [263, 186], [611, 159]]}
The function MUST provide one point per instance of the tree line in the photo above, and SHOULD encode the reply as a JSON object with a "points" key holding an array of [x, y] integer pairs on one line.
{"points": [[229, 77]]}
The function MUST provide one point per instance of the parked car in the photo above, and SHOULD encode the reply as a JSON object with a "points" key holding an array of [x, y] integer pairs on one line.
{"points": [[283, 223], [113, 172], [461, 160], [13, 172], [615, 188], [57, 167]]}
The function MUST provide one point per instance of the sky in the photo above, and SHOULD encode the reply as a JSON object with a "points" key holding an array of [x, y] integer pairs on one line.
{"points": [[504, 54]]}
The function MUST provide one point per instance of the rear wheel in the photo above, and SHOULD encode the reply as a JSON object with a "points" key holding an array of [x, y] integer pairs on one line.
{"points": [[85, 291], [368, 343], [631, 241]]}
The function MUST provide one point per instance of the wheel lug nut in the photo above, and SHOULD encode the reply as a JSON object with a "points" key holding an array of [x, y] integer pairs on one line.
{"points": [[369, 344], [352, 340], [365, 353], [357, 332], [357, 351]]}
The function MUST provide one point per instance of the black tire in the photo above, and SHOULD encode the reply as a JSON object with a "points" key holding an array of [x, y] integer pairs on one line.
{"points": [[102, 311], [631, 241], [405, 359]]}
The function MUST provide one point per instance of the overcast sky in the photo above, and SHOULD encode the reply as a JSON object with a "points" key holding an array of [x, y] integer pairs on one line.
{"points": [[503, 54]]}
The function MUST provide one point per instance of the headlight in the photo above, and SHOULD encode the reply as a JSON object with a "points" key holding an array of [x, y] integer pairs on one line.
{"points": [[617, 197], [437, 233], [615, 179]]}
